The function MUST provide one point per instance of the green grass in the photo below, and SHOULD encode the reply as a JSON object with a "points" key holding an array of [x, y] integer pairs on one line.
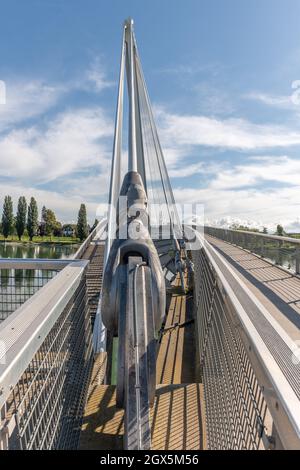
{"points": [[38, 239], [294, 235]]}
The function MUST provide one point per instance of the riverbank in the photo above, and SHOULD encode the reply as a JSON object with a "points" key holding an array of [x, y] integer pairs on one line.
{"points": [[41, 240], [53, 250]]}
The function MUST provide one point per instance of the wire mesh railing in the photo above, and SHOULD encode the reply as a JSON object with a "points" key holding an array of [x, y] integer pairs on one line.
{"points": [[21, 278], [234, 401], [250, 380], [18, 285], [280, 250], [45, 363]]}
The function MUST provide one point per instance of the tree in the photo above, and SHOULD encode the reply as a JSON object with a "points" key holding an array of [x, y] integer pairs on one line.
{"points": [[243, 228], [57, 229], [265, 230], [42, 226], [32, 219], [82, 226], [21, 216], [44, 212], [50, 222], [7, 217], [95, 224], [279, 230]]}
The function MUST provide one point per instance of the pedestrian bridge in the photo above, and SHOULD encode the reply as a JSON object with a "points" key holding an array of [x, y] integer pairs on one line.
{"points": [[180, 337]]}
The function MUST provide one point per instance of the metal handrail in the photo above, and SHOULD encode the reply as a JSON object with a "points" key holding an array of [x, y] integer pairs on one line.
{"points": [[274, 378], [23, 332], [257, 242], [34, 263], [101, 225], [296, 241]]}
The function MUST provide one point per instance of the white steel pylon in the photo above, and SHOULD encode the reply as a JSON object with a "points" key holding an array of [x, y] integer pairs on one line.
{"points": [[144, 149]]}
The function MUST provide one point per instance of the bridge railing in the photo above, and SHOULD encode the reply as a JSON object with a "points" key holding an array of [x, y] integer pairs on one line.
{"points": [[248, 364], [283, 251], [21, 278], [98, 230], [45, 360]]}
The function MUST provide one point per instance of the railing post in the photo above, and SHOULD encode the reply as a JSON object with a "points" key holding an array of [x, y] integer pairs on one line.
{"points": [[233, 238], [278, 243], [297, 260], [262, 247]]}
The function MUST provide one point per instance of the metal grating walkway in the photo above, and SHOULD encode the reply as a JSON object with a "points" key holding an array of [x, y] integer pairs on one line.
{"points": [[94, 253]]}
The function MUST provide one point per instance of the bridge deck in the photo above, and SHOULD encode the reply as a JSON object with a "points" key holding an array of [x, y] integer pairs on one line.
{"points": [[177, 416], [276, 288], [177, 344]]}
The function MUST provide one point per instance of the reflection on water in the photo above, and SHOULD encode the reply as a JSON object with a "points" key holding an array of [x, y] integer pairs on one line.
{"points": [[17, 285], [281, 256], [24, 250]]}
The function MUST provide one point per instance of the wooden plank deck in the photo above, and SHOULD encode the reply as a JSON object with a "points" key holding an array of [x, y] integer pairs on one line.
{"points": [[178, 415], [176, 419], [103, 423], [177, 346]]}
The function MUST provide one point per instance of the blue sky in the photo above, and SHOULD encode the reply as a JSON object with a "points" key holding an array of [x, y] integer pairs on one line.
{"points": [[220, 77]]}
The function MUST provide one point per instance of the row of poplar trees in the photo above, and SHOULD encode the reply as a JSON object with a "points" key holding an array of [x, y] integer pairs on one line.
{"points": [[29, 218], [26, 217]]}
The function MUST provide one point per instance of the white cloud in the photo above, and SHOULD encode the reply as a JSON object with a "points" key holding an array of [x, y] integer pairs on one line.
{"points": [[192, 130], [97, 76], [69, 151], [93, 187], [235, 194], [73, 151], [173, 155], [287, 102], [279, 169], [187, 170], [227, 222], [27, 99], [74, 140], [279, 101], [211, 100], [267, 207]]}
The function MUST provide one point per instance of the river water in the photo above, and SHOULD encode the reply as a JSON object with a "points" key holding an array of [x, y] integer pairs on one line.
{"points": [[17, 285], [26, 250]]}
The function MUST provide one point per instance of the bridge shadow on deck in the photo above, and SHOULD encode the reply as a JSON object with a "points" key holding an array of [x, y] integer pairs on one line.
{"points": [[103, 424], [176, 361], [178, 414], [177, 417]]}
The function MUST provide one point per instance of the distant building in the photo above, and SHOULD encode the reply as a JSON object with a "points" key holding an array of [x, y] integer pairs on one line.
{"points": [[69, 230]]}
